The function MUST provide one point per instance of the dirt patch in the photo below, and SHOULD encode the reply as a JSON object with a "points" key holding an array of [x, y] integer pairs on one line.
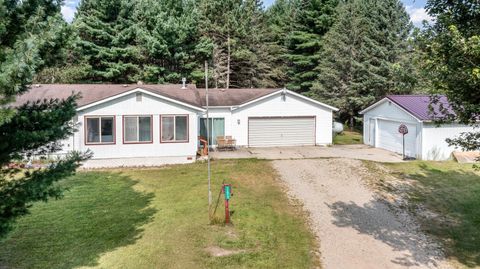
{"points": [[215, 251], [356, 227]]}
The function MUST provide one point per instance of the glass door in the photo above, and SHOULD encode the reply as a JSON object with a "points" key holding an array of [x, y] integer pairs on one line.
{"points": [[217, 128]]}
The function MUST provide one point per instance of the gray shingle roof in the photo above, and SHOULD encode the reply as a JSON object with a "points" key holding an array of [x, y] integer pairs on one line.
{"points": [[91, 93]]}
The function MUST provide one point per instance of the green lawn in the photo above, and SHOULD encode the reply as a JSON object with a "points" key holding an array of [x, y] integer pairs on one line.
{"points": [[348, 138], [452, 191], [158, 218]]}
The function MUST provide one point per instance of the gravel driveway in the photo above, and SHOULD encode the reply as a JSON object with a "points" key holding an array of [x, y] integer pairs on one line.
{"points": [[355, 229]]}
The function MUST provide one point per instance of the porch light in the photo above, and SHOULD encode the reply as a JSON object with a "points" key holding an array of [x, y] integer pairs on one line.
{"points": [[238, 121]]}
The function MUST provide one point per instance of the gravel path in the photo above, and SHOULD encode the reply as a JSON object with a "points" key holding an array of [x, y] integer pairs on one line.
{"points": [[355, 229]]}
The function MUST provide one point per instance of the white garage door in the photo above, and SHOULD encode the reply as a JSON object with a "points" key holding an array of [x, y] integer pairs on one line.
{"points": [[294, 131], [390, 139]]}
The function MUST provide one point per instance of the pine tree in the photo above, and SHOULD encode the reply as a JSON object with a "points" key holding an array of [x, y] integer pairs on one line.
{"points": [[218, 27], [280, 19], [107, 40], [365, 56], [314, 19], [29, 31], [252, 64], [167, 33]]}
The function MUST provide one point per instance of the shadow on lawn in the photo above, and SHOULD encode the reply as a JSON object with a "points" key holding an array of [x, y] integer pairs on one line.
{"points": [[453, 198], [100, 212]]}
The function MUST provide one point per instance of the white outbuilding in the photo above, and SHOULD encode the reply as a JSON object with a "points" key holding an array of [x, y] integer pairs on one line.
{"points": [[425, 139]]}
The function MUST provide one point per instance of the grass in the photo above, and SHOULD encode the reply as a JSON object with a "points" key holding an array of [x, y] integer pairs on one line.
{"points": [[158, 218], [348, 138], [452, 192]]}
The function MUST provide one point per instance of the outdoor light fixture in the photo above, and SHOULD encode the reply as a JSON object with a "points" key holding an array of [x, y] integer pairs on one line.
{"points": [[238, 121]]}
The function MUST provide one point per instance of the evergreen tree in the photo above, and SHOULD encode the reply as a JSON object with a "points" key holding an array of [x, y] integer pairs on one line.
{"points": [[314, 19], [218, 26], [28, 32], [107, 40], [252, 64], [366, 56], [167, 33], [280, 19]]}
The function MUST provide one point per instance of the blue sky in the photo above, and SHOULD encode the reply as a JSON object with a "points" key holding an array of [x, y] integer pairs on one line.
{"points": [[414, 7]]}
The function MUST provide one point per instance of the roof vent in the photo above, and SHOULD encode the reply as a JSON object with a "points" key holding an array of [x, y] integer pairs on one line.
{"points": [[124, 85], [37, 85], [139, 82], [184, 83]]}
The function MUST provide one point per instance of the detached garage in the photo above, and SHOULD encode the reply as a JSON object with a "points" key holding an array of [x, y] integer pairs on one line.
{"points": [[424, 140]]}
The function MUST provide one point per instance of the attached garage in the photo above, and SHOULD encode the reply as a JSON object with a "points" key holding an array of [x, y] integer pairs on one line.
{"points": [[425, 139], [281, 131]]}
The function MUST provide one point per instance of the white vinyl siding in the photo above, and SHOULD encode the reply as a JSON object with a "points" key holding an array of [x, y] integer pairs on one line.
{"points": [[265, 132]]}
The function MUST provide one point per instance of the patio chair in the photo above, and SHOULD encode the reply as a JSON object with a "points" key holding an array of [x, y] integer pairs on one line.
{"points": [[221, 142]]}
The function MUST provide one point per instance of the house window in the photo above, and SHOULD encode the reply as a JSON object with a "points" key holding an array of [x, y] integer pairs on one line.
{"points": [[100, 130], [174, 128], [137, 129]]}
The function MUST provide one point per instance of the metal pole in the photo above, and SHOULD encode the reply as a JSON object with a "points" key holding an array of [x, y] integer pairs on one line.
{"points": [[208, 144], [227, 212], [403, 136]]}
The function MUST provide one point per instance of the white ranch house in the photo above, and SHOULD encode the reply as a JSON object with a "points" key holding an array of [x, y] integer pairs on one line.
{"points": [[160, 124], [425, 139]]}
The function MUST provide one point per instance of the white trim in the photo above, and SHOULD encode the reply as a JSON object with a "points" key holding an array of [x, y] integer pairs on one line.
{"points": [[394, 119], [384, 100], [373, 105], [219, 106], [285, 91], [142, 91]]}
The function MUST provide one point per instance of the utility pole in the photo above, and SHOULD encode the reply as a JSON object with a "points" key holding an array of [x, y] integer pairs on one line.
{"points": [[208, 145]]}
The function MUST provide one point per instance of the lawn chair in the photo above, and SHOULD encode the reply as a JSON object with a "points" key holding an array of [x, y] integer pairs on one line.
{"points": [[221, 143], [231, 143]]}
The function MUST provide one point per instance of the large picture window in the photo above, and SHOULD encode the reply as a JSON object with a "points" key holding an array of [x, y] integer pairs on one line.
{"points": [[174, 128], [100, 130], [137, 129]]}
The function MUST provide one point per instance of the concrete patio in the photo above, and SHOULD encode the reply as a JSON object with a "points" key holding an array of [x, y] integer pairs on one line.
{"points": [[360, 152]]}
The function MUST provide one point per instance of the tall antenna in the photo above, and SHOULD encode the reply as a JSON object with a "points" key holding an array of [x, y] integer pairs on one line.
{"points": [[208, 145]]}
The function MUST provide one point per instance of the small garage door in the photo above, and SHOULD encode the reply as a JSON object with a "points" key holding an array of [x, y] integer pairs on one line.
{"points": [[281, 131], [390, 139]]}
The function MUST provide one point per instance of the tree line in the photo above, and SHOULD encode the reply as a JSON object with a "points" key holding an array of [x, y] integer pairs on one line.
{"points": [[346, 53]]}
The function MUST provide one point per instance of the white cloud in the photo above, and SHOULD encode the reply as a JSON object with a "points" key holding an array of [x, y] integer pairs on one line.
{"points": [[418, 15], [68, 13]]}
